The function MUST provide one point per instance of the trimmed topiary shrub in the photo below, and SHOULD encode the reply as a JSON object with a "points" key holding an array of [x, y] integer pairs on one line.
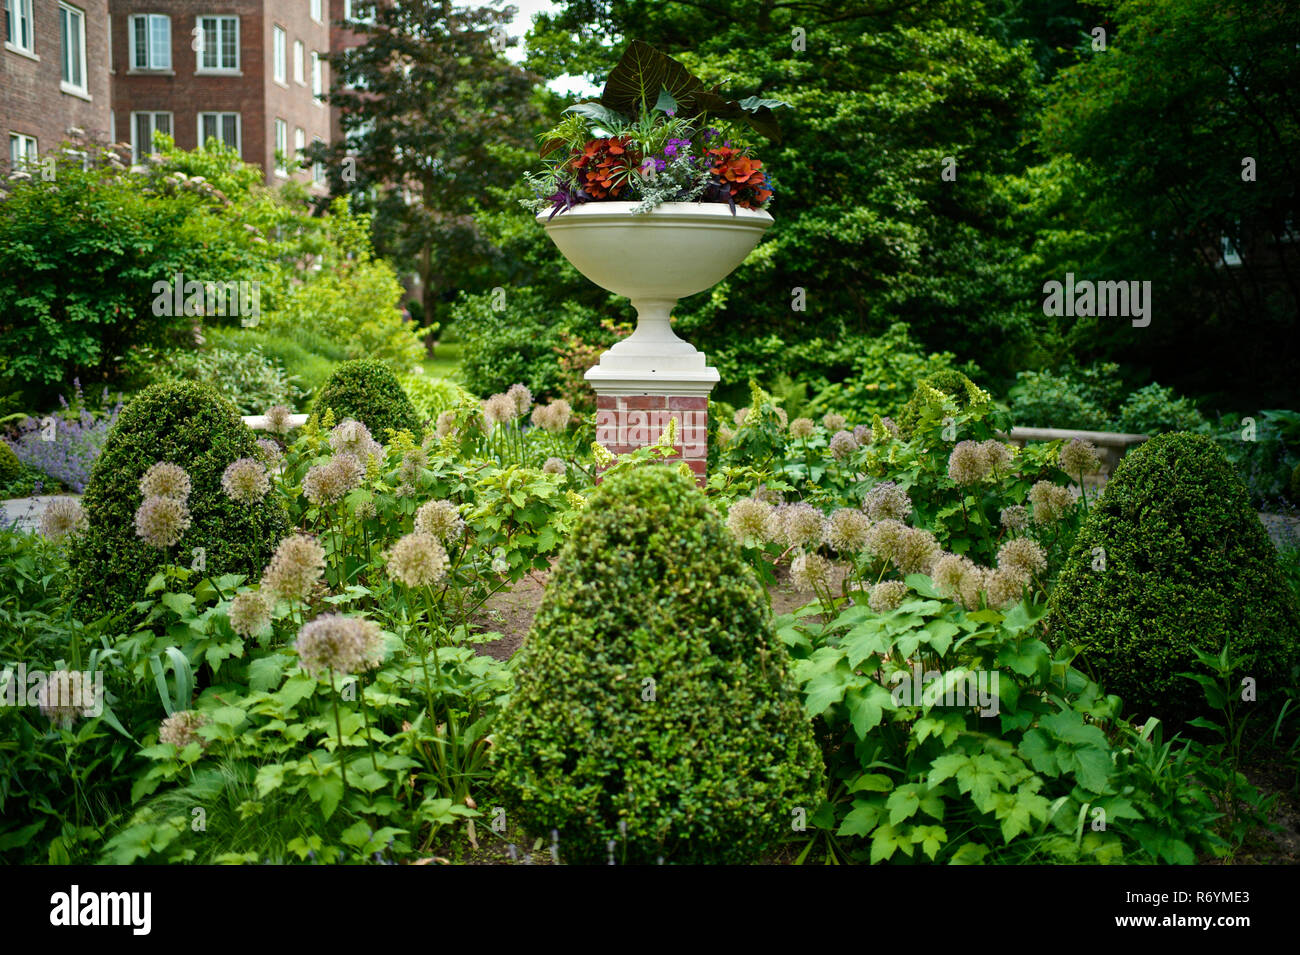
{"points": [[190, 425], [652, 690], [1187, 563], [10, 467], [952, 383], [369, 392]]}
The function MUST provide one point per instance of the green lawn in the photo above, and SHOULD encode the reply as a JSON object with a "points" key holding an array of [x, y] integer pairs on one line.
{"points": [[445, 362]]}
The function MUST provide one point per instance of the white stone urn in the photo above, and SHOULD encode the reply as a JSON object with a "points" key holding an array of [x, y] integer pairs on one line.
{"points": [[653, 259]]}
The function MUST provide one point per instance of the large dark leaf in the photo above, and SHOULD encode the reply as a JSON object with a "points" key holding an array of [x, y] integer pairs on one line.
{"points": [[640, 75], [757, 113]]}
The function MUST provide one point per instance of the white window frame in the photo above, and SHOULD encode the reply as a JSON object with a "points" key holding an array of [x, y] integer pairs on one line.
{"points": [[163, 63], [73, 58], [19, 21], [317, 77], [219, 34], [299, 142], [299, 63], [279, 54], [220, 114], [348, 15], [138, 149], [280, 130], [26, 153], [316, 10]]}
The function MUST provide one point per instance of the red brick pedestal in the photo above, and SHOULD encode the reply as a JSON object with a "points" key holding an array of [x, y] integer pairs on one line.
{"points": [[627, 422]]}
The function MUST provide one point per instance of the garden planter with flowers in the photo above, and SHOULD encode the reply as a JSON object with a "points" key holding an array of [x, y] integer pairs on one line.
{"points": [[648, 196]]}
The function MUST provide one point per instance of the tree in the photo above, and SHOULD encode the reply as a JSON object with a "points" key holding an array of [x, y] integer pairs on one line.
{"points": [[434, 117]]}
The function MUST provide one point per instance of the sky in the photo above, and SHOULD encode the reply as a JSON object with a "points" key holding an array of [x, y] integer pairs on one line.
{"points": [[523, 20]]}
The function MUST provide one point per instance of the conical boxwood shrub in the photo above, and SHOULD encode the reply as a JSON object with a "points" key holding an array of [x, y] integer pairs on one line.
{"points": [[193, 426], [369, 392], [652, 691], [1171, 557]]}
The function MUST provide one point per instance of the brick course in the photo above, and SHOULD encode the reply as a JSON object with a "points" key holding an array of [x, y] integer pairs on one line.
{"points": [[627, 422]]}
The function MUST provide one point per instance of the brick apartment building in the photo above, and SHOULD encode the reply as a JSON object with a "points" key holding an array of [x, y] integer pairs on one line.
{"points": [[251, 73], [53, 75]]}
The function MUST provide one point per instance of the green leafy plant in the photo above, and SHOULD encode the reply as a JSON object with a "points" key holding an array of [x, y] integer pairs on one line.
{"points": [[369, 392]]}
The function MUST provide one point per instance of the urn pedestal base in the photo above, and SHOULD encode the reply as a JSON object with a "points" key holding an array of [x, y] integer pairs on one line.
{"points": [[627, 421]]}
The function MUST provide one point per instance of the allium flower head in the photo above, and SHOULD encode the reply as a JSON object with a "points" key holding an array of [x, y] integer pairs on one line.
{"points": [[968, 463], [862, 435], [553, 418], [63, 516], [245, 481], [182, 728], [887, 501], [833, 422], [339, 644], [446, 423], [1015, 518], [295, 568], [782, 418], [811, 572], [413, 462], [886, 595], [847, 530], [1004, 586], [166, 480], [522, 398], [417, 560], [802, 525], [249, 614], [739, 417], [750, 522], [725, 435], [1023, 556], [842, 445], [997, 454], [441, 519], [915, 551], [958, 578], [1051, 502], [65, 695], [354, 438], [884, 536], [1079, 457], [277, 419], [499, 409], [802, 428], [161, 521], [555, 466], [270, 451]]}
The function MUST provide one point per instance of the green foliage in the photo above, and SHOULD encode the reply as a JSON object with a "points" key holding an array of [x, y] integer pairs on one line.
{"points": [[961, 737], [249, 379], [1083, 398], [432, 396], [510, 341], [952, 383], [1293, 486], [300, 359], [369, 392], [1186, 566], [652, 692], [1156, 410], [190, 425]]}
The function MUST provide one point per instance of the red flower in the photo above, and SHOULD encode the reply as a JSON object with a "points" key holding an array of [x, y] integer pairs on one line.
{"points": [[604, 165], [741, 175]]}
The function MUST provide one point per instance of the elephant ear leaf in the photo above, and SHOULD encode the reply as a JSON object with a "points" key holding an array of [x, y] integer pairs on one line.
{"points": [[753, 111], [596, 113], [639, 79]]}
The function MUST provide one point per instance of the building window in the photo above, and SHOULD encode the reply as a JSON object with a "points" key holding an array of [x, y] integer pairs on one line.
{"points": [[359, 11], [299, 68], [223, 127], [281, 147], [277, 53], [318, 167], [143, 126], [315, 10], [317, 76], [151, 42], [72, 37], [220, 51], [299, 142], [22, 150], [18, 25]]}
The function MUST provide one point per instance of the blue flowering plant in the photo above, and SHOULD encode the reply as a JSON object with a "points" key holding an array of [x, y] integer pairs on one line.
{"points": [[655, 135]]}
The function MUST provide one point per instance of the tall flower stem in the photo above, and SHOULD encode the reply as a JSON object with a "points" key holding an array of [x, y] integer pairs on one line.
{"points": [[338, 726]]}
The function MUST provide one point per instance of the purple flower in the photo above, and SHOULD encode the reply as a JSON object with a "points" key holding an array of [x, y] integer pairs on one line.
{"points": [[72, 453], [675, 146]]}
